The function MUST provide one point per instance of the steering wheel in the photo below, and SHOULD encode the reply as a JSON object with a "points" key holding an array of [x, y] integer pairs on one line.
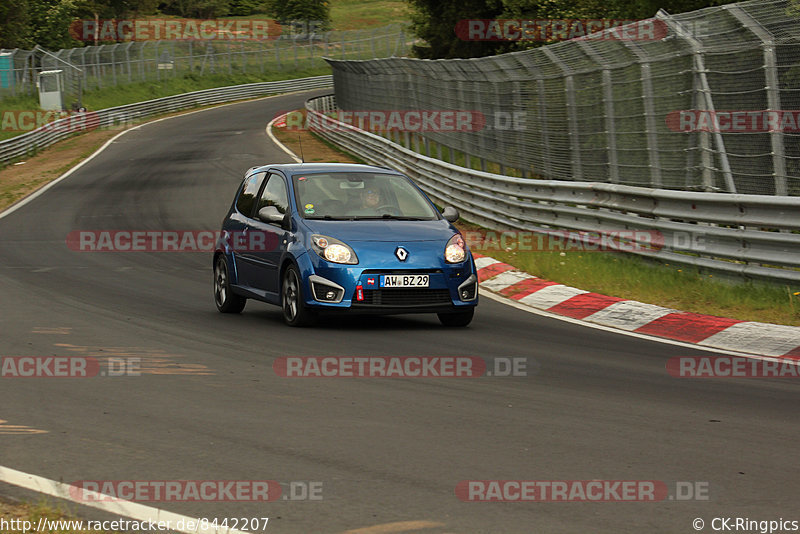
{"points": [[387, 209]]}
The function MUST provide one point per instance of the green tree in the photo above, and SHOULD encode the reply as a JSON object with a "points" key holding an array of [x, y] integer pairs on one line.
{"points": [[434, 21], [49, 23], [316, 12], [15, 24], [248, 7]]}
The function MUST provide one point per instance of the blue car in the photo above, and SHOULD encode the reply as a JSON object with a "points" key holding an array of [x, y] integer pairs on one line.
{"points": [[341, 238]]}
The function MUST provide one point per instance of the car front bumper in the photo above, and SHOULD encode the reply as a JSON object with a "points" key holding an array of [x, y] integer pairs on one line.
{"points": [[356, 288]]}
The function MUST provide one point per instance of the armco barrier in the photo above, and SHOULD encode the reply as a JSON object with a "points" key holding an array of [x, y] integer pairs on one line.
{"points": [[45, 136], [753, 236]]}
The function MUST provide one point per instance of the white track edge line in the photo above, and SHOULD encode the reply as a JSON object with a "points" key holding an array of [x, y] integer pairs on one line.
{"points": [[14, 207], [275, 139], [124, 508]]}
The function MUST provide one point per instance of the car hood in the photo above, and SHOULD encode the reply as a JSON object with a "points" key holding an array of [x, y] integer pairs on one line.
{"points": [[382, 230]]}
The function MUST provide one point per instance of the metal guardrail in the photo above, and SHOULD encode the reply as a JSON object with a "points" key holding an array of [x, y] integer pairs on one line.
{"points": [[663, 110], [753, 236], [45, 136]]}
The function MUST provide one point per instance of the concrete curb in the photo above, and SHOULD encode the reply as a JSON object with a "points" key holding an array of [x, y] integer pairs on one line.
{"points": [[761, 339]]}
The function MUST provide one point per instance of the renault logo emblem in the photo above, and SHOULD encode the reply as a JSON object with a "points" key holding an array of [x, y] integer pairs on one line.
{"points": [[401, 253]]}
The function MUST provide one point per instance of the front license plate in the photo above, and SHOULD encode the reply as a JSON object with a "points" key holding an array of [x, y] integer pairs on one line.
{"points": [[405, 280]]}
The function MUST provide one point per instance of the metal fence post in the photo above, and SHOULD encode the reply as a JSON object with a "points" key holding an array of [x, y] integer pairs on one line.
{"points": [[649, 112], [705, 90], [608, 104], [772, 86], [572, 112]]}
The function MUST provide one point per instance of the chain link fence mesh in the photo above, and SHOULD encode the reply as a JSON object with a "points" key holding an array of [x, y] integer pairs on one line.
{"points": [[597, 109], [104, 66]]}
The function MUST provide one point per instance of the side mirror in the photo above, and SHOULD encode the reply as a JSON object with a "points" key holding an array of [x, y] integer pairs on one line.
{"points": [[450, 214], [270, 214]]}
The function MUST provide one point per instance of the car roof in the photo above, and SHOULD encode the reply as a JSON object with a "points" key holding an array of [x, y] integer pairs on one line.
{"points": [[299, 168]]}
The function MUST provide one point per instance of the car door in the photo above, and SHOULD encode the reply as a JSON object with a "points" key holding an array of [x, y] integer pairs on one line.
{"points": [[266, 258], [239, 222]]}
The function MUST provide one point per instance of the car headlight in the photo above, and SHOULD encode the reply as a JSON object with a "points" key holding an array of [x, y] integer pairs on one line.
{"points": [[456, 250], [333, 250]]}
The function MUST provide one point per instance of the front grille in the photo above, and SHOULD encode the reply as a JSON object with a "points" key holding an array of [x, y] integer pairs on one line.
{"points": [[405, 297]]}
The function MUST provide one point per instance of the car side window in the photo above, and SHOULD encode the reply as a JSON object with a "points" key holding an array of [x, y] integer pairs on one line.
{"points": [[274, 194], [247, 198]]}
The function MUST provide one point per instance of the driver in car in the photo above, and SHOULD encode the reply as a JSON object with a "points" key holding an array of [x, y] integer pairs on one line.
{"points": [[370, 199]]}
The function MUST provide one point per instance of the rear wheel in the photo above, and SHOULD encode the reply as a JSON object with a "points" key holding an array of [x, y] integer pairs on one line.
{"points": [[457, 319], [295, 312], [224, 297]]}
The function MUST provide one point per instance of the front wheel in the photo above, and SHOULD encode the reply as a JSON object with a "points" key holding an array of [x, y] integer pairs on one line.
{"points": [[457, 319], [294, 311], [225, 299]]}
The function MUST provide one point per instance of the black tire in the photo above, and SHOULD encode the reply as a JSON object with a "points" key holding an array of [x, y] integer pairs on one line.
{"points": [[457, 319], [224, 297], [294, 311]]}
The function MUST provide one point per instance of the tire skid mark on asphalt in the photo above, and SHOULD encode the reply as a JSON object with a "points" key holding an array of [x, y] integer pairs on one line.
{"points": [[51, 330], [17, 430], [397, 527], [150, 361]]}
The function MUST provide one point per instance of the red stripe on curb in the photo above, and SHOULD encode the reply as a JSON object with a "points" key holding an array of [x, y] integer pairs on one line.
{"points": [[689, 327], [794, 354], [583, 305], [523, 288], [493, 270]]}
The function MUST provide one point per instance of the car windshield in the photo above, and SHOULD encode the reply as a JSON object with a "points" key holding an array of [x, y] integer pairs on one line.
{"points": [[360, 195]]}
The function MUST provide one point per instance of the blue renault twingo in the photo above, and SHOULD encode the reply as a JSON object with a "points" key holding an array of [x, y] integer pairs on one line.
{"points": [[330, 237]]}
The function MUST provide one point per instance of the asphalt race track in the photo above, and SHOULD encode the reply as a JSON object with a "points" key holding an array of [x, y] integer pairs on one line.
{"points": [[208, 405]]}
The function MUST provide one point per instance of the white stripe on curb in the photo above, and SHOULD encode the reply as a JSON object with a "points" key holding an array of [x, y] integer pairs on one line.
{"points": [[549, 296], [122, 508], [504, 280], [628, 314], [768, 339], [485, 261]]}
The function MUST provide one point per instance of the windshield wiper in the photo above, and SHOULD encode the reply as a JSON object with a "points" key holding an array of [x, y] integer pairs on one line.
{"points": [[387, 216], [332, 218]]}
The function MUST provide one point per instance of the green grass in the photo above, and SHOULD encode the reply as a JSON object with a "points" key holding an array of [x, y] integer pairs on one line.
{"points": [[360, 14], [138, 92], [98, 99], [670, 285]]}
